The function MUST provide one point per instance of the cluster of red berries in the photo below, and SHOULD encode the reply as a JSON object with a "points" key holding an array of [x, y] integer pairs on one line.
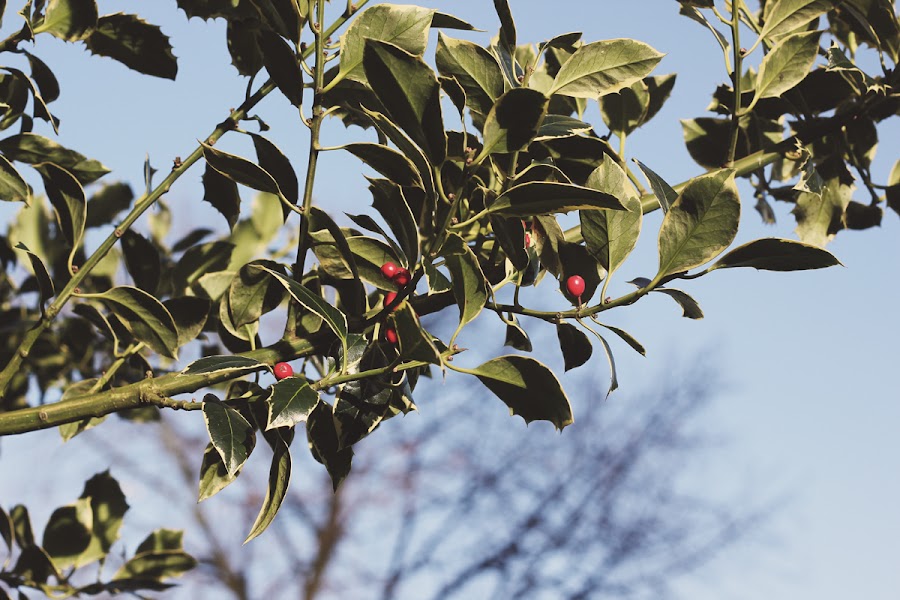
{"points": [[401, 277]]}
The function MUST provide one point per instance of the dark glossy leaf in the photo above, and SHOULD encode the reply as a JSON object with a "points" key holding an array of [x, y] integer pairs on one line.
{"points": [[222, 192], [155, 565], [386, 161], [528, 387], [240, 170], [510, 232], [665, 195], [108, 202], [688, 304], [34, 564], [611, 235], [200, 260], [249, 291], [627, 338], [282, 65], [22, 531], [273, 160], [141, 260], [43, 77], [135, 43], [467, 279], [243, 46], [279, 480], [513, 121], [700, 224], [604, 67], [507, 25], [214, 476], [409, 90], [34, 149], [68, 533], [290, 402], [230, 433], [575, 345], [69, 20], [190, 314], [545, 197], [862, 216], [773, 254], [404, 26], [415, 342], [145, 316], [613, 375], [476, 70], [390, 202], [45, 284], [6, 529], [67, 197], [323, 444], [557, 126], [516, 337], [12, 185], [659, 88], [789, 61], [335, 319], [820, 216], [892, 193], [625, 110], [108, 507], [444, 21], [219, 364]]}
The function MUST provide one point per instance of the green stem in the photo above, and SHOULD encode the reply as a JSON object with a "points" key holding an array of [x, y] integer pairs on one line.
{"points": [[736, 80], [156, 391]]}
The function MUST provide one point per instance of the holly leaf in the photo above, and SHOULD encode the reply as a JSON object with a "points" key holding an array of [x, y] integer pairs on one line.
{"points": [[230, 433]]}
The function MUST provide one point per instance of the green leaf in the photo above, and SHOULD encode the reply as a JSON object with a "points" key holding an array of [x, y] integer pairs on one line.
{"points": [[687, 303], [200, 260], [69, 20], [141, 260], [12, 185], [45, 284], [335, 319], [892, 193], [222, 193], [22, 531], [789, 61], [785, 16], [214, 476], [528, 387], [323, 444], [774, 254], [279, 480], [135, 43], [161, 540], [220, 364], [475, 69], [507, 25], [516, 336], [614, 378], [415, 342], [404, 26], [108, 202], [249, 293], [230, 433], [144, 316], [627, 338], [819, 216], [409, 90], [513, 122], [558, 126], [444, 21], [575, 345], [611, 235], [545, 197], [290, 402], [391, 203], [659, 88], [34, 564], [240, 170], [273, 160], [35, 149], [664, 192], [108, 506], [467, 279], [625, 110], [700, 224], [387, 161], [6, 529], [156, 565], [190, 314], [282, 65], [390, 130], [67, 197], [68, 533], [604, 67]]}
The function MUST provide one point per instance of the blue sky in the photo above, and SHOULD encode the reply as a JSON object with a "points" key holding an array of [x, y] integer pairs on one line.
{"points": [[809, 403]]}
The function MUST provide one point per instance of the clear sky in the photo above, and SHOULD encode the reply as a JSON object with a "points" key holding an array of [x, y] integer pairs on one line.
{"points": [[809, 404]]}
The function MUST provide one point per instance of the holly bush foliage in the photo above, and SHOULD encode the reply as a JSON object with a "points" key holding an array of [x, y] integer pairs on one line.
{"points": [[480, 149]]}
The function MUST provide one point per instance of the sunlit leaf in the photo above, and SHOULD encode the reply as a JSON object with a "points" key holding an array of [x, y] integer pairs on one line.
{"points": [[145, 316], [604, 67], [12, 185], [290, 402], [230, 433], [611, 235], [69, 20], [787, 64]]}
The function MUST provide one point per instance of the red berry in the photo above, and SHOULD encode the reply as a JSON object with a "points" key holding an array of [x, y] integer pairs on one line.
{"points": [[389, 270], [388, 298], [575, 285], [283, 370], [390, 334], [401, 277]]}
